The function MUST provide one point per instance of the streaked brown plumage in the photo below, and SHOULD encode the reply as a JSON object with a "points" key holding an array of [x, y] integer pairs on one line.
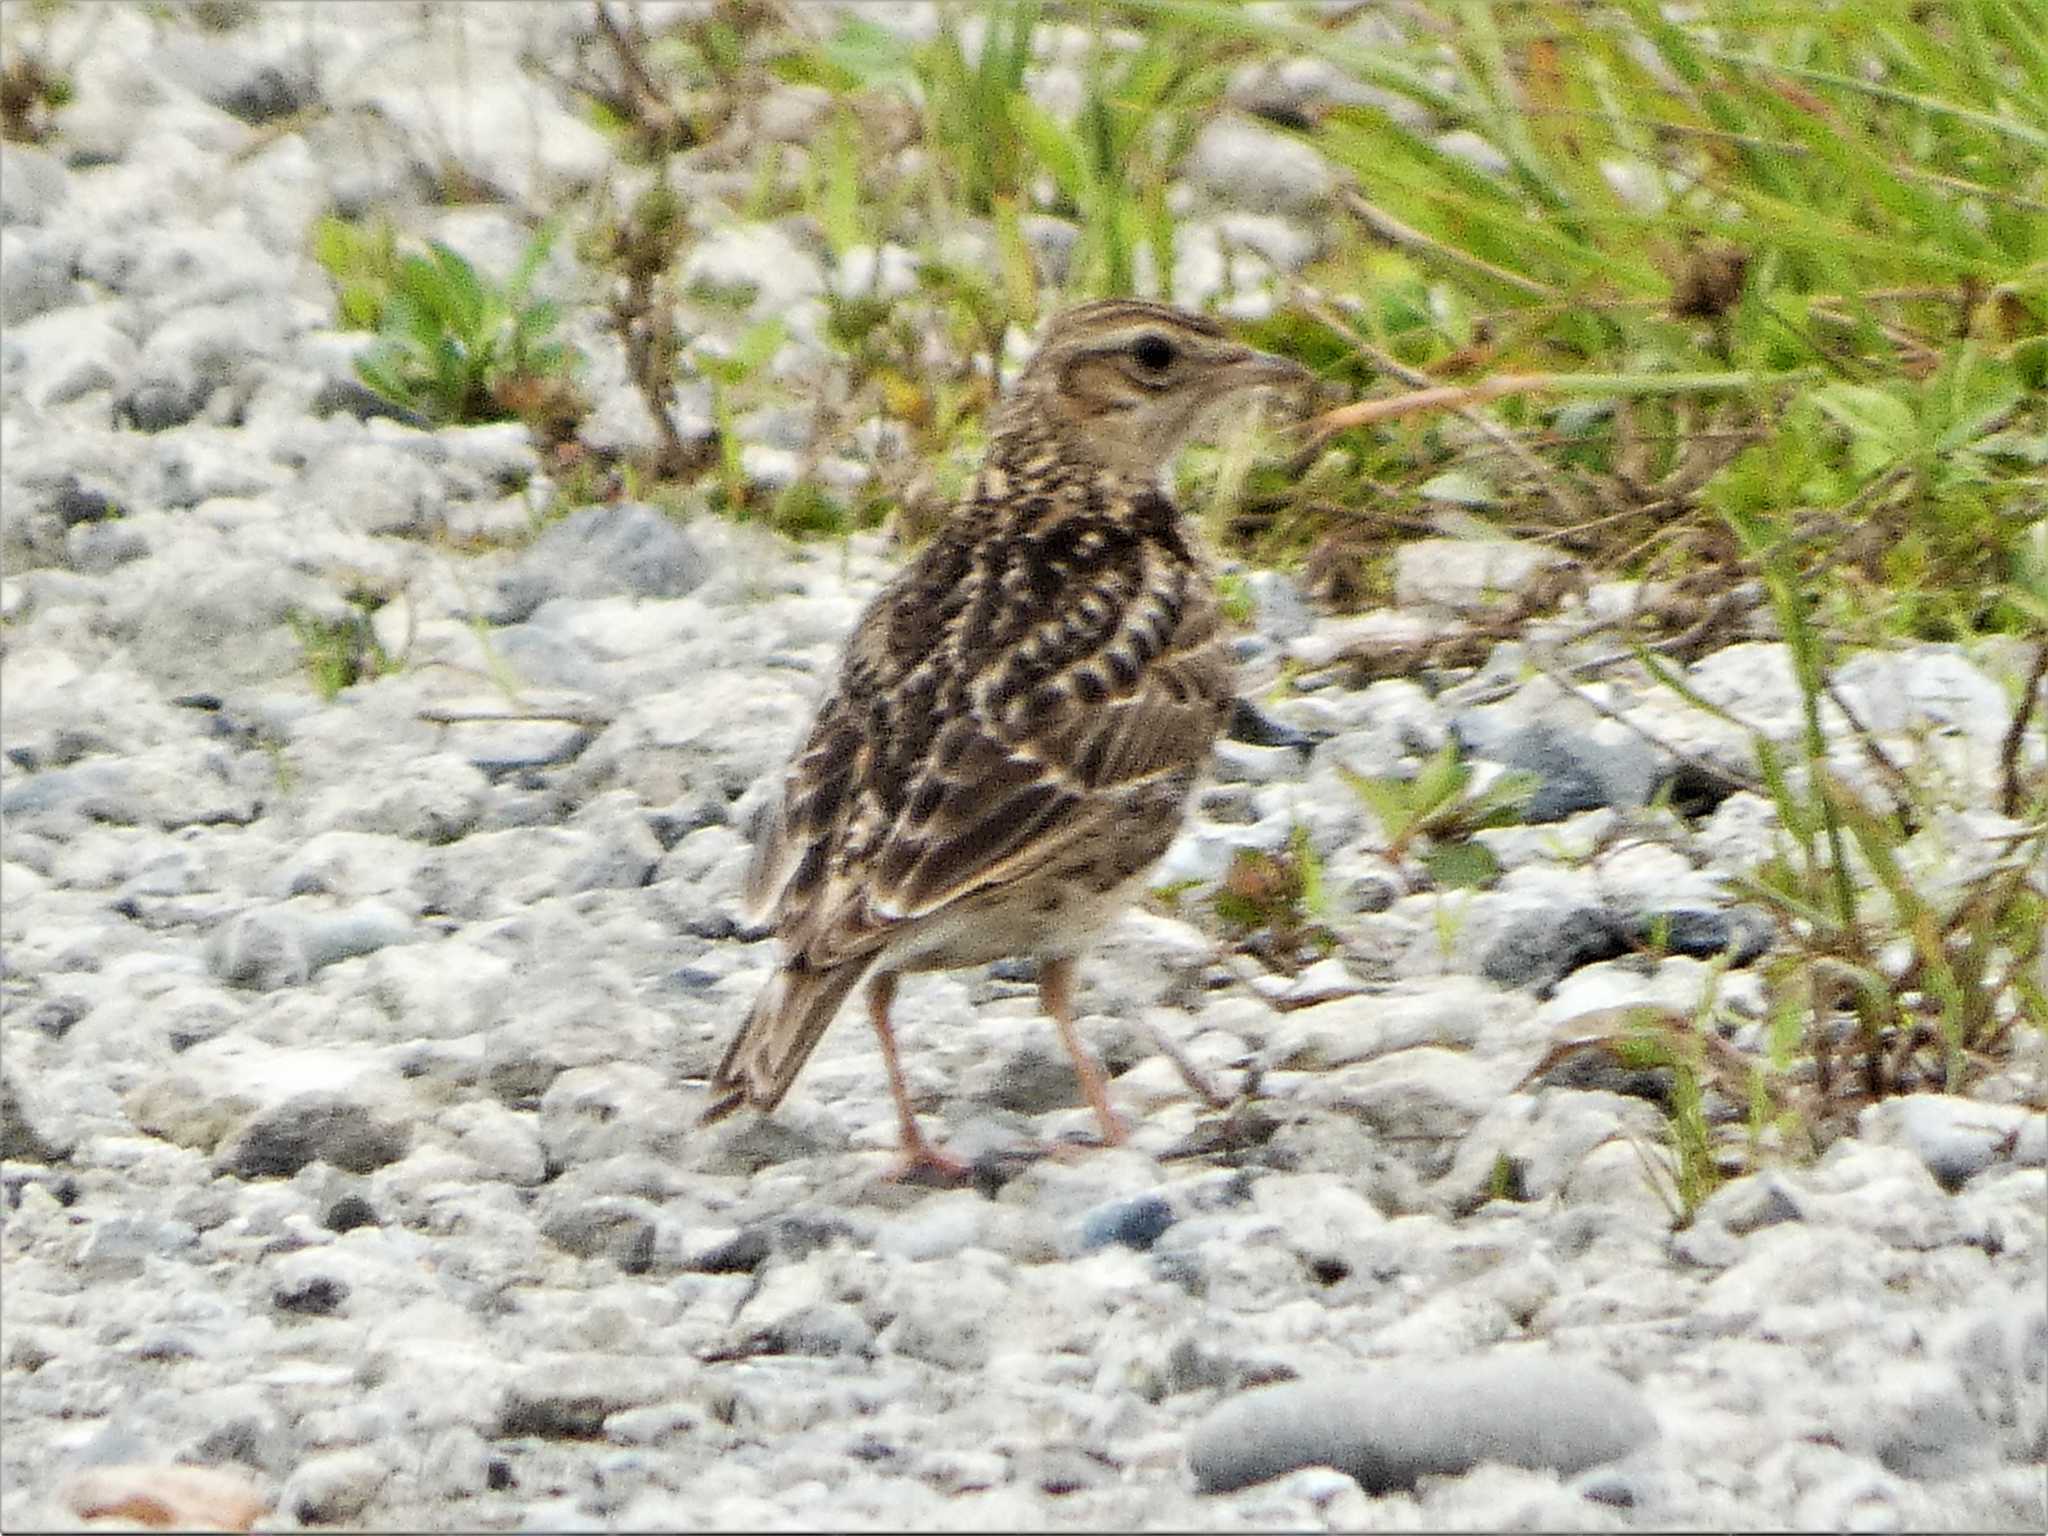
{"points": [[1018, 717]]}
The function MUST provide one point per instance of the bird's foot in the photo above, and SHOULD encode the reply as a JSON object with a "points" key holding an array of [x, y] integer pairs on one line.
{"points": [[1113, 1132], [924, 1164]]}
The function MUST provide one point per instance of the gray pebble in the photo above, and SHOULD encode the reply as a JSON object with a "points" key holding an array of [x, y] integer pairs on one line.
{"points": [[262, 950], [36, 185], [335, 1488], [1746, 931], [21, 1139], [318, 1124], [1542, 947], [310, 1295], [1257, 168], [1137, 1223], [600, 551], [1392, 1426], [618, 1229], [1575, 772], [1254, 727], [1957, 1138], [824, 1329], [554, 1403]]}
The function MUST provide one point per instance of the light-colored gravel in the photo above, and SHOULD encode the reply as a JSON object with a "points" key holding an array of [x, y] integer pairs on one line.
{"points": [[353, 1048]]}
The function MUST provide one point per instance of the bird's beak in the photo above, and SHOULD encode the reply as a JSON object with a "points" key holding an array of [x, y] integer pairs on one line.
{"points": [[1270, 369], [1266, 370]]}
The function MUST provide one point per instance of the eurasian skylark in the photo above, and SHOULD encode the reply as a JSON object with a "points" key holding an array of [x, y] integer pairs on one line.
{"points": [[1018, 718]]}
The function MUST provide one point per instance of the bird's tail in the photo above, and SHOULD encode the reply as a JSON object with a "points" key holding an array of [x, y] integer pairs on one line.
{"points": [[789, 1018]]}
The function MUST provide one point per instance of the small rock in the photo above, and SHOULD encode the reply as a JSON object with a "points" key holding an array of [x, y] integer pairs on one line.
{"points": [[1708, 935], [172, 1497], [353, 932], [1255, 168], [262, 950], [1576, 771], [1254, 727], [1353, 1029], [1136, 1223], [1323, 982], [1957, 1138], [318, 1124], [754, 264], [1064, 1469], [20, 1138], [122, 1247], [822, 1330], [600, 552], [37, 184], [1236, 763], [1392, 1426], [54, 1016], [741, 1254], [310, 1295], [1472, 575], [255, 86], [1546, 945], [37, 279], [618, 1229], [949, 1324], [571, 1401], [335, 1488], [347, 1212], [1935, 1434], [1280, 610]]}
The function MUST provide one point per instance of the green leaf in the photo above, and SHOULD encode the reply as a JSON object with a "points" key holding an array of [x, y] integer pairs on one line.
{"points": [[2025, 447], [1461, 866], [1315, 900], [1441, 779], [530, 262], [1392, 801], [1503, 802], [1057, 149], [840, 198], [1880, 425], [461, 291]]}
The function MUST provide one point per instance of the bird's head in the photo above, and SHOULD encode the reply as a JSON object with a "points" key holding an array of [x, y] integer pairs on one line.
{"points": [[1125, 383]]}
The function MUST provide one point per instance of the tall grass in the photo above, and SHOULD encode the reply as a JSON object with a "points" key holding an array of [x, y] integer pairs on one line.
{"points": [[1845, 203]]}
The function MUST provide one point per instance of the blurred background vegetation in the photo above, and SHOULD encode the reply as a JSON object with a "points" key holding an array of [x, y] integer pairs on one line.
{"points": [[1784, 264]]}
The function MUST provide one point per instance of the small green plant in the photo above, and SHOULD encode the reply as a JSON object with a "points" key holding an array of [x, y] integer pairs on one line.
{"points": [[728, 374], [1234, 597], [1657, 1042], [361, 259], [1275, 902], [805, 509], [1112, 165], [638, 248], [451, 345], [341, 652], [1867, 1020], [32, 93], [1439, 808]]}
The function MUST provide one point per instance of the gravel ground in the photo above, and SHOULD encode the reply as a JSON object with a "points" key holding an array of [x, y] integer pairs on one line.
{"points": [[352, 1048]]}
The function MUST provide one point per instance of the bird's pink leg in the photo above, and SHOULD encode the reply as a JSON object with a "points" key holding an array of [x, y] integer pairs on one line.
{"points": [[922, 1162], [1056, 996]]}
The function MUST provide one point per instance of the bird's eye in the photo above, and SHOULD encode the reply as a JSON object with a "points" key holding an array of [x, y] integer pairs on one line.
{"points": [[1153, 352]]}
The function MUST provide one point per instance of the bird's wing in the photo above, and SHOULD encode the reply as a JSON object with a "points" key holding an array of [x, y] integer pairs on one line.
{"points": [[980, 775]]}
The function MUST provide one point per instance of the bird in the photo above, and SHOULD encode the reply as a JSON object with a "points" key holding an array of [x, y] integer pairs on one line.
{"points": [[1018, 718]]}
